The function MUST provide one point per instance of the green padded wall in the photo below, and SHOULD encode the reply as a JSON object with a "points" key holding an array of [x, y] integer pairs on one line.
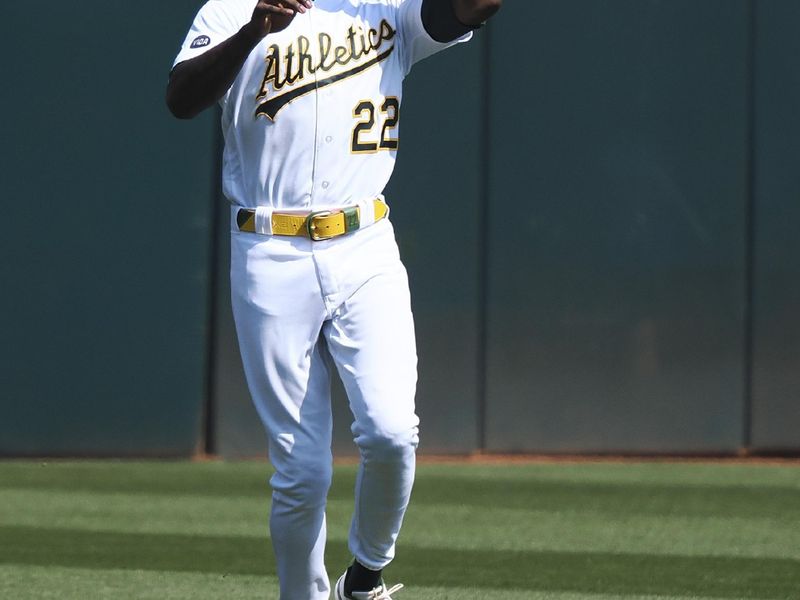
{"points": [[776, 348], [106, 221], [617, 218]]}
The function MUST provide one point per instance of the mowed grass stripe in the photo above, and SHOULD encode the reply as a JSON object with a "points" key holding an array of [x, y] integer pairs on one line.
{"points": [[64, 583], [468, 528], [462, 527], [664, 472], [136, 513], [613, 499], [121, 477], [590, 572], [437, 486], [250, 477]]}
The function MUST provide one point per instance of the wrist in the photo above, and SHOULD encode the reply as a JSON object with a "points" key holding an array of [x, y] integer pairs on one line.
{"points": [[253, 32]]}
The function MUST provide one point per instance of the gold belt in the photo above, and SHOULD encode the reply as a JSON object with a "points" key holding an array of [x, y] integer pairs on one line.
{"points": [[321, 225]]}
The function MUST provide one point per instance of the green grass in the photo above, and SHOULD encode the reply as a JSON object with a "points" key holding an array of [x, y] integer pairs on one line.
{"points": [[490, 532]]}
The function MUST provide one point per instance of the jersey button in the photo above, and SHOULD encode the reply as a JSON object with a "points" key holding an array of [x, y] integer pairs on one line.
{"points": [[325, 185], [329, 139]]}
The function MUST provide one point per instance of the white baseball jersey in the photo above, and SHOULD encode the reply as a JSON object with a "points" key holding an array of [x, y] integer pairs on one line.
{"points": [[312, 121]]}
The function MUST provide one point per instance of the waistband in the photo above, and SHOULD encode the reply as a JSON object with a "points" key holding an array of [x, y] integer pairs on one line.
{"points": [[317, 225]]}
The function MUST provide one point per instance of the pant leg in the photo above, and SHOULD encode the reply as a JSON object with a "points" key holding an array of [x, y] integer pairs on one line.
{"points": [[371, 338], [279, 314]]}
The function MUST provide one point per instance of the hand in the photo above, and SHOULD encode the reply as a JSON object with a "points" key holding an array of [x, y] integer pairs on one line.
{"points": [[275, 15]]}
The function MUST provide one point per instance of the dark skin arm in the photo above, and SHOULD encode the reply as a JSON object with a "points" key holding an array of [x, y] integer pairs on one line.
{"points": [[197, 84], [448, 20], [474, 12]]}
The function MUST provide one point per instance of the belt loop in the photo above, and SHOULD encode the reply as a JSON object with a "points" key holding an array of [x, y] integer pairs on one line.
{"points": [[264, 220], [366, 212]]}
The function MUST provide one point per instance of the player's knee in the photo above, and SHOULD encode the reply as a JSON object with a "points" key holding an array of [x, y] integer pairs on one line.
{"points": [[389, 446], [303, 484]]}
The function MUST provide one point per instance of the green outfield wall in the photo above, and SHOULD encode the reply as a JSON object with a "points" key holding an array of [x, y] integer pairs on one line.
{"points": [[616, 300], [106, 213], [597, 203], [775, 223]]}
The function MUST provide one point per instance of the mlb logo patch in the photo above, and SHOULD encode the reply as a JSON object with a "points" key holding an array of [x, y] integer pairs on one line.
{"points": [[200, 41]]}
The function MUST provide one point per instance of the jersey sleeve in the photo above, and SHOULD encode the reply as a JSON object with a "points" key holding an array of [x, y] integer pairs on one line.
{"points": [[417, 42], [216, 22]]}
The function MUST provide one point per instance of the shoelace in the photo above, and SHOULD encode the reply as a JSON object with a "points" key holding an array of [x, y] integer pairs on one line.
{"points": [[381, 593]]}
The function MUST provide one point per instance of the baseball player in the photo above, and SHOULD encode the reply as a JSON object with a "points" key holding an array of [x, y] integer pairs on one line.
{"points": [[311, 97]]}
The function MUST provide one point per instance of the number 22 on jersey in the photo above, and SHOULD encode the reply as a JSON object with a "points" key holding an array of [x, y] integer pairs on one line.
{"points": [[373, 119]]}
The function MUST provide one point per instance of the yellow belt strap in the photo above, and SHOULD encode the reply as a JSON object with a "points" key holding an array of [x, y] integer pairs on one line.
{"points": [[317, 226]]}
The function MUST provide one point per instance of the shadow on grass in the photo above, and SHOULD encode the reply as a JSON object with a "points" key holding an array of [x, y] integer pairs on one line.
{"points": [[590, 572]]}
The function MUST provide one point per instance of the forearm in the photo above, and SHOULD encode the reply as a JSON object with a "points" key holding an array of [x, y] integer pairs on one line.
{"points": [[198, 83], [474, 12]]}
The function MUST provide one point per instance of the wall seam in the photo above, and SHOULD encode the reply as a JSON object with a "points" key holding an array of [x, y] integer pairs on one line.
{"points": [[483, 241], [750, 230]]}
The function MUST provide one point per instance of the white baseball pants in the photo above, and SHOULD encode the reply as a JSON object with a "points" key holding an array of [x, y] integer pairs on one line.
{"points": [[302, 307]]}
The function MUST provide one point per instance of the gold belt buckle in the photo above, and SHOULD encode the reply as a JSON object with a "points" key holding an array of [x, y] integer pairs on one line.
{"points": [[311, 226]]}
